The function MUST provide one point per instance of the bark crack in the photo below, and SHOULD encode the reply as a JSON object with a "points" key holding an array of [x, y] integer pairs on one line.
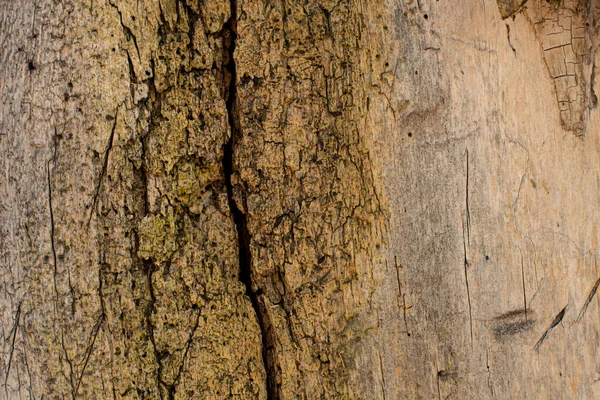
{"points": [[127, 31], [52, 238], [150, 308], [593, 96], [89, 350], [229, 35], [467, 239], [524, 290], [557, 320], [467, 202], [12, 346], [588, 300], [509, 41], [104, 167], [466, 267]]}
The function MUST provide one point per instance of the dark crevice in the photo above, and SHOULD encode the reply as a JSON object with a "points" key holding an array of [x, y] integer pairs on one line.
{"points": [[52, 234], [150, 309], [188, 344], [229, 76], [12, 346], [152, 104], [468, 210], [467, 239], [89, 350], [589, 299], [466, 268], [593, 97], [557, 320], [104, 170], [509, 41], [126, 30], [524, 290]]}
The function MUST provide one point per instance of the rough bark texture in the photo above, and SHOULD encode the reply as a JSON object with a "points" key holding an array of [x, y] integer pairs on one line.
{"points": [[305, 199], [119, 245]]}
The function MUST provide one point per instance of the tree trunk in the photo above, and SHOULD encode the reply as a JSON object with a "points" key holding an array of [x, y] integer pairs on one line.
{"points": [[313, 199]]}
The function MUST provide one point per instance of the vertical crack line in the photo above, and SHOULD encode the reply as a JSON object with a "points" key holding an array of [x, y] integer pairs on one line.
{"points": [[401, 296], [466, 265], [399, 284], [467, 239], [519, 193], [588, 300], [509, 42], [381, 371], [438, 385], [52, 238], [489, 373], [524, 292], [404, 308], [104, 166], [187, 349], [126, 30], [229, 35], [12, 347], [467, 202], [71, 370], [150, 308], [31, 395], [593, 96], [89, 350]]}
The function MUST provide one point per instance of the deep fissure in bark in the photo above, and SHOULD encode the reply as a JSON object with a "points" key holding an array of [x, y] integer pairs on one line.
{"points": [[229, 35]]}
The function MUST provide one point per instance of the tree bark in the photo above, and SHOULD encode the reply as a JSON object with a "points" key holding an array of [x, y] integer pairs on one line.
{"points": [[383, 199]]}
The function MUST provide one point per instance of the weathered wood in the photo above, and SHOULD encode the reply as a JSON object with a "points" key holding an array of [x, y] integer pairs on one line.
{"points": [[311, 199]]}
